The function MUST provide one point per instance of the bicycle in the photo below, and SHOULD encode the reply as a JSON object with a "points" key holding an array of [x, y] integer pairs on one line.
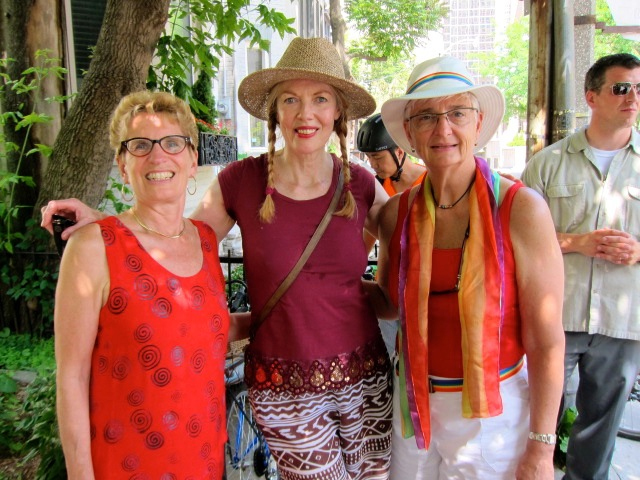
{"points": [[246, 452], [630, 424]]}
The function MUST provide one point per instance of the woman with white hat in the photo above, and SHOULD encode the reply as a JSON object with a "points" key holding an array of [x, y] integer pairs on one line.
{"points": [[472, 262], [317, 369]]}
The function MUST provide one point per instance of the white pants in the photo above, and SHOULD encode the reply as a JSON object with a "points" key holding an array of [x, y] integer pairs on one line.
{"points": [[465, 448]]}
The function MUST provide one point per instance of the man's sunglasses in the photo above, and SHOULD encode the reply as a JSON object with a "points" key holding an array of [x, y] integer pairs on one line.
{"points": [[621, 89]]}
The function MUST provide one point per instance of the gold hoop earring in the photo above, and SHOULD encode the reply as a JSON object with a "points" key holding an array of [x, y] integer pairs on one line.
{"points": [[123, 197], [195, 186]]}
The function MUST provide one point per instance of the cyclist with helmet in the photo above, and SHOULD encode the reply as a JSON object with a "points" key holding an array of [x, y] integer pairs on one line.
{"points": [[396, 176], [387, 159]]}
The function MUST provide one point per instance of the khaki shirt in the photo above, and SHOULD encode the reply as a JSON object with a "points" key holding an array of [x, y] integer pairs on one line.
{"points": [[599, 297]]}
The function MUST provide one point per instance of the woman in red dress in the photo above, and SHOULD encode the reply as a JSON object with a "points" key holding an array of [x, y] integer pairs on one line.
{"points": [[141, 319]]}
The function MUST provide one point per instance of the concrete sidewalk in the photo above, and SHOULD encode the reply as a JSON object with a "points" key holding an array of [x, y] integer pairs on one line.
{"points": [[626, 461]]}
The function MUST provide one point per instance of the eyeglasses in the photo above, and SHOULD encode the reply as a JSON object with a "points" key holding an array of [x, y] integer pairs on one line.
{"points": [[621, 89], [456, 288], [427, 121], [171, 144]]}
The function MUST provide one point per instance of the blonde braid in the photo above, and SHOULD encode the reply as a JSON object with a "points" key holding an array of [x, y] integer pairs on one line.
{"points": [[349, 206], [268, 209]]}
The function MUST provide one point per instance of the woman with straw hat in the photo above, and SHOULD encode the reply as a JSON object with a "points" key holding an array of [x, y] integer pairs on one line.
{"points": [[472, 262], [317, 368]]}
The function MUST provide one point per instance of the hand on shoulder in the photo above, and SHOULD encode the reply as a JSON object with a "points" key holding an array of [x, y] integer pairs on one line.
{"points": [[71, 208]]}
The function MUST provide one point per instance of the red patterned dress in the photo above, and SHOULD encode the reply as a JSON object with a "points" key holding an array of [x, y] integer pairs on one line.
{"points": [[157, 371]]}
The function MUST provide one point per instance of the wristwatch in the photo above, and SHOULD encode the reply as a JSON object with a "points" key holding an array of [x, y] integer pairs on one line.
{"points": [[548, 438]]}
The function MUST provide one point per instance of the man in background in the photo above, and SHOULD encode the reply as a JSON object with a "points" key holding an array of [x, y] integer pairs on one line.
{"points": [[591, 182]]}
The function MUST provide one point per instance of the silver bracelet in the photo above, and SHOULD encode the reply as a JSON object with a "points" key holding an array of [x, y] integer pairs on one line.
{"points": [[548, 438]]}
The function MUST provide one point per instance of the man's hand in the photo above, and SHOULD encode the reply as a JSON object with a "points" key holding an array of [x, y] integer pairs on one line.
{"points": [[71, 208], [618, 247]]}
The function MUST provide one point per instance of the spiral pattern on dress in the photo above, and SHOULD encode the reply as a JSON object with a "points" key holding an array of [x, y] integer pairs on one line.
{"points": [[215, 323], [145, 286], [161, 377], [149, 356], [205, 450], [171, 420], [198, 360], [140, 420], [103, 364], [139, 476], [118, 300], [161, 308], [177, 355], [198, 297], [220, 344], [108, 236], [210, 389], [113, 431], [174, 286], [215, 409], [206, 245], [135, 397], [130, 462], [194, 426], [133, 263], [121, 368], [154, 440], [143, 333]]}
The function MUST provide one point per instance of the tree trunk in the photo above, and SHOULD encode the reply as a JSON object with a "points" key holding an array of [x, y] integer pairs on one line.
{"points": [[15, 16], [82, 157], [539, 77], [338, 29]]}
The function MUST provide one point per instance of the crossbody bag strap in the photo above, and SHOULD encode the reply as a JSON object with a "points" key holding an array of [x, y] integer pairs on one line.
{"points": [[286, 283]]}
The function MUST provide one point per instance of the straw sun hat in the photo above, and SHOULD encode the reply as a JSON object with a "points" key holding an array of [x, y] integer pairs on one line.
{"points": [[440, 77], [308, 59]]}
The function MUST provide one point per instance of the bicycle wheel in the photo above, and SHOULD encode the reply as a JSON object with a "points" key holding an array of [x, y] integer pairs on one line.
{"points": [[630, 425], [263, 462], [272, 469], [243, 440]]}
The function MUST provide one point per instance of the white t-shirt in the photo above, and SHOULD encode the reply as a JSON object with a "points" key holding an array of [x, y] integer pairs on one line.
{"points": [[604, 158]]}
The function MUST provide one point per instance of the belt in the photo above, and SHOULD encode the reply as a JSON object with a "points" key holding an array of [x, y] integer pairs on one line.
{"points": [[455, 384]]}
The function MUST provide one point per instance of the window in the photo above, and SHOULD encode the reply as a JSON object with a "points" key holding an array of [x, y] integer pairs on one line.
{"points": [[257, 127], [258, 132], [86, 18]]}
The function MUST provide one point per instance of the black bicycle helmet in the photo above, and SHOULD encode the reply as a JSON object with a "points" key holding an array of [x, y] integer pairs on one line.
{"points": [[373, 137]]}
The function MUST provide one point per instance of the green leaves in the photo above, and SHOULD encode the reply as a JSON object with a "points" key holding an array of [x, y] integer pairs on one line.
{"points": [[200, 32], [508, 64], [392, 28], [564, 430], [30, 80]]}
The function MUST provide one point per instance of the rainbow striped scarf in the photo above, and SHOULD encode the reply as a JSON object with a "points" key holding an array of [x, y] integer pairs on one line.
{"points": [[479, 299]]}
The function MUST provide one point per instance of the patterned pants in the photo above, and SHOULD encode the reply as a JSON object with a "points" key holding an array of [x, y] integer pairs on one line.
{"points": [[335, 435]]}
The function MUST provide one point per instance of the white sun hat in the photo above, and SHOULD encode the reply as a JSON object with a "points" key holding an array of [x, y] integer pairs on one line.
{"points": [[440, 77]]}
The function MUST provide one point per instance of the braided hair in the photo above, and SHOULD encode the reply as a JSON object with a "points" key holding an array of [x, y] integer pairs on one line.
{"points": [[268, 209]]}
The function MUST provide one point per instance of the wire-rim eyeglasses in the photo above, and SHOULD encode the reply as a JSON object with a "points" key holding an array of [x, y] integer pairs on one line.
{"points": [[428, 120]]}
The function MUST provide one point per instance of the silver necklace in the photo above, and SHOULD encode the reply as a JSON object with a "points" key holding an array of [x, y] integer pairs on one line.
{"points": [[149, 229]]}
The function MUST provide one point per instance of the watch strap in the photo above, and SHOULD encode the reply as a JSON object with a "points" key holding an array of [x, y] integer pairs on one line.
{"points": [[548, 438]]}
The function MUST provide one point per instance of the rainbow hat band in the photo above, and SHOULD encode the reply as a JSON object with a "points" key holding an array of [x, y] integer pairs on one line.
{"points": [[441, 77]]}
